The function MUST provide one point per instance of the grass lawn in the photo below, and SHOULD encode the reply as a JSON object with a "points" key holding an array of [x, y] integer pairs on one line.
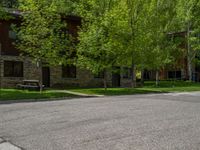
{"points": [[13, 94], [149, 87]]}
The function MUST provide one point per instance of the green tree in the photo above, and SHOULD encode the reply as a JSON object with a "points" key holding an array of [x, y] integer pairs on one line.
{"points": [[5, 7], [130, 30], [160, 22], [3, 14], [42, 34], [188, 14], [97, 51]]}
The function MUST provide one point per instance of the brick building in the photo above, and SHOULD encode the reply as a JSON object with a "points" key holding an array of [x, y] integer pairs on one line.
{"points": [[178, 70], [15, 68]]}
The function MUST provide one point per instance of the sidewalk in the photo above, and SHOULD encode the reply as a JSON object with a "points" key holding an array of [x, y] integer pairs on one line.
{"points": [[78, 94]]}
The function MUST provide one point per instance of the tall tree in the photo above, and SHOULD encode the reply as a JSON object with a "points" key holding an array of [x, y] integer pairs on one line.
{"points": [[160, 21], [135, 10], [141, 41], [43, 33], [188, 13], [97, 51]]}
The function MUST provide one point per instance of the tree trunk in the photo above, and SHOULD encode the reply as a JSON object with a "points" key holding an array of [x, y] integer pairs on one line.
{"points": [[41, 80], [105, 81], [157, 77], [189, 69], [133, 78], [1, 64], [39, 65], [189, 61], [133, 74], [142, 77]]}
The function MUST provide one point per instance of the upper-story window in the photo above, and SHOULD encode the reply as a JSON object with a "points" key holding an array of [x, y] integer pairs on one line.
{"points": [[12, 34]]}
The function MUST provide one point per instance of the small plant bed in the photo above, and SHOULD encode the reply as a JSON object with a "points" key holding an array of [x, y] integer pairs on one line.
{"points": [[149, 87], [13, 94]]}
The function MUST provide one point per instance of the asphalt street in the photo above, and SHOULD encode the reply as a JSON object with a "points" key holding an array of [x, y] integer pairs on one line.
{"points": [[138, 122]]}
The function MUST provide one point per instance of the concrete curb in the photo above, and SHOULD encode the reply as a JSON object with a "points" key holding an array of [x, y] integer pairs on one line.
{"points": [[8, 146], [5, 145], [43, 100]]}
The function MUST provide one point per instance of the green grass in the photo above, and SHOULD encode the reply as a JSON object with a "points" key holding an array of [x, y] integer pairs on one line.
{"points": [[13, 94], [149, 87]]}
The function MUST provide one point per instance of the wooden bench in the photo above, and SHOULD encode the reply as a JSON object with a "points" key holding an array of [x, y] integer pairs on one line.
{"points": [[30, 85]]}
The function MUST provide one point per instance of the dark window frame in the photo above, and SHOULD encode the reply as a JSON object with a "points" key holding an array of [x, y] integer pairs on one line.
{"points": [[126, 73], [13, 69], [99, 75], [69, 71], [174, 74], [12, 34]]}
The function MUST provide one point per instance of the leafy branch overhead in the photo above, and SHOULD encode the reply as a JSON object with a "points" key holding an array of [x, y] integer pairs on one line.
{"points": [[43, 32], [138, 34]]}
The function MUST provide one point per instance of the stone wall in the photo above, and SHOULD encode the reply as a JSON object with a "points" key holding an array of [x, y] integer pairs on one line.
{"points": [[30, 71], [125, 82], [84, 78]]}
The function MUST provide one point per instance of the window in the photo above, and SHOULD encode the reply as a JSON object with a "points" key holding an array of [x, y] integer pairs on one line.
{"points": [[100, 75], [12, 35], [174, 74], [13, 69], [126, 73], [146, 75], [69, 71]]}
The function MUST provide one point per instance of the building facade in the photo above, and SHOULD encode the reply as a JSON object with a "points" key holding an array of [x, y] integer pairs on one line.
{"points": [[15, 68], [178, 70]]}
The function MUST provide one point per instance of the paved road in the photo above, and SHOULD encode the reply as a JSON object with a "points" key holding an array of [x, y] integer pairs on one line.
{"points": [[147, 122]]}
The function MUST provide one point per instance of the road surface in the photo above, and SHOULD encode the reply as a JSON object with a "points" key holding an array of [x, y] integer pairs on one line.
{"points": [[137, 122]]}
